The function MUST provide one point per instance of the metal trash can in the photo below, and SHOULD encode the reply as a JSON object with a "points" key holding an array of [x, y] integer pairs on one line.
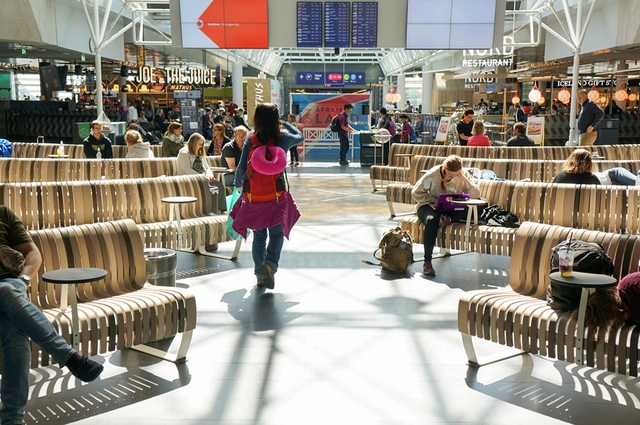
{"points": [[426, 138], [161, 266]]}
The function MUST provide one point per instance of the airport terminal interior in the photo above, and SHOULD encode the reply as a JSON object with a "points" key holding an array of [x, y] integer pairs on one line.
{"points": [[339, 339]]}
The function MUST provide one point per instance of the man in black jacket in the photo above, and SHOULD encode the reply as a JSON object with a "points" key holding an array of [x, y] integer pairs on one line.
{"points": [[97, 140], [589, 118]]}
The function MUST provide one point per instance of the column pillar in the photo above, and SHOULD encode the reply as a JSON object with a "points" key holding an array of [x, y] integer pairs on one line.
{"points": [[236, 82], [427, 89], [402, 91]]}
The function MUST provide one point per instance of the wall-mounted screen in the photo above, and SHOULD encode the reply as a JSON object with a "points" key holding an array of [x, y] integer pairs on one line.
{"points": [[309, 27], [450, 24], [337, 16], [230, 24], [364, 24]]}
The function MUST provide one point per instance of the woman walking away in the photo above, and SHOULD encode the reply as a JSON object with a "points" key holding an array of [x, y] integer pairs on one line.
{"points": [[293, 152], [265, 204], [446, 178]]}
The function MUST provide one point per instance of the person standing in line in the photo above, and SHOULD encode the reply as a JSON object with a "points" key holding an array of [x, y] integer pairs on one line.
{"points": [[520, 136], [293, 152], [173, 140], [96, 140], [405, 135], [207, 124], [520, 115], [343, 133], [589, 118], [478, 137], [275, 217], [418, 125], [464, 127], [132, 113], [21, 320], [449, 177], [238, 119]]}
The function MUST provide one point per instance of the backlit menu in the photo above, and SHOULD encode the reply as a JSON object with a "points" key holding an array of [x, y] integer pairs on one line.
{"points": [[336, 24], [364, 30], [309, 24]]}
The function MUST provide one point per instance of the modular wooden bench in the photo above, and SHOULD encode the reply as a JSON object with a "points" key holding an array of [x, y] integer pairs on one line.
{"points": [[120, 311], [397, 171], [43, 150], [519, 317], [60, 204], [594, 207], [534, 170]]}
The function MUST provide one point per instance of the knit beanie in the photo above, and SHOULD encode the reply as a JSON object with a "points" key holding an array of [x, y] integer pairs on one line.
{"points": [[629, 290]]}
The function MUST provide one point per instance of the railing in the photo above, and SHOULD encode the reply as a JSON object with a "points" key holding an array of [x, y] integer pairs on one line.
{"points": [[323, 138]]}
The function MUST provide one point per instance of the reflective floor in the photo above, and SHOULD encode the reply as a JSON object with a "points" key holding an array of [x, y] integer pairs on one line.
{"points": [[336, 342]]}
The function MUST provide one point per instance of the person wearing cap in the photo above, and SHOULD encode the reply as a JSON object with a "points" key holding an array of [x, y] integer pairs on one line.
{"points": [[275, 217]]}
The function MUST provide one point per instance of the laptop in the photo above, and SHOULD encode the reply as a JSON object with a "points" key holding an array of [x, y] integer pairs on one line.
{"points": [[444, 203]]}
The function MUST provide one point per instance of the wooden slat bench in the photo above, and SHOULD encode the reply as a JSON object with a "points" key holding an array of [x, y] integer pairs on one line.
{"points": [[534, 170], [602, 208], [43, 150], [120, 311], [519, 317], [396, 171], [60, 204]]}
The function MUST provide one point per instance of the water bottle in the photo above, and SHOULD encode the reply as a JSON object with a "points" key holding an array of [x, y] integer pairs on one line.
{"points": [[99, 154], [638, 179], [61, 148]]}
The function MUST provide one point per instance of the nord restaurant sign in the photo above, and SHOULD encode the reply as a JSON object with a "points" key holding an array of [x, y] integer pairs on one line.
{"points": [[175, 76]]}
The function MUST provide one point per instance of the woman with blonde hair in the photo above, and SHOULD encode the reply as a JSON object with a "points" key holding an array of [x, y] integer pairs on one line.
{"points": [[173, 140], [577, 169], [449, 177], [478, 137], [136, 147], [193, 160]]}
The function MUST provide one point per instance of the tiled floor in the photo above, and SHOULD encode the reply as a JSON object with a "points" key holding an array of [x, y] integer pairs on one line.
{"points": [[336, 342]]}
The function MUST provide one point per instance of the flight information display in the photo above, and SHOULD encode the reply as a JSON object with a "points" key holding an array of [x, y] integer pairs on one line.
{"points": [[364, 27], [309, 24], [337, 16]]}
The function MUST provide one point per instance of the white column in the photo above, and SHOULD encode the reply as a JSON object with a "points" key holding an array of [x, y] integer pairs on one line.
{"points": [[236, 82], [98, 64], [13, 85], [427, 89], [402, 92]]}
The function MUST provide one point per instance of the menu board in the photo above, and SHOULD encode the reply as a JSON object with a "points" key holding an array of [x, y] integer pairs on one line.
{"points": [[189, 117], [450, 24], [337, 16], [224, 24], [364, 27], [309, 25]]}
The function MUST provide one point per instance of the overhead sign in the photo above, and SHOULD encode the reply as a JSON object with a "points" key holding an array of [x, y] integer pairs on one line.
{"points": [[224, 24], [330, 79]]}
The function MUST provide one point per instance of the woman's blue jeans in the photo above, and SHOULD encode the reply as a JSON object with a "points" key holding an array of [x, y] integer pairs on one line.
{"points": [[20, 320], [622, 177], [267, 253]]}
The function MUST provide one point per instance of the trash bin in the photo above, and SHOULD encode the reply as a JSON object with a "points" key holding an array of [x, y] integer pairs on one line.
{"points": [[161, 266], [426, 138], [608, 131]]}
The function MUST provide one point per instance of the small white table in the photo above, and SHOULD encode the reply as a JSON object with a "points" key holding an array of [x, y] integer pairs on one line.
{"points": [[71, 277], [472, 215], [57, 156], [588, 282], [174, 204]]}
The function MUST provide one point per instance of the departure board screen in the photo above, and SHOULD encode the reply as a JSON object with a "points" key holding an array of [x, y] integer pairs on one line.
{"points": [[336, 24], [309, 24], [364, 27]]}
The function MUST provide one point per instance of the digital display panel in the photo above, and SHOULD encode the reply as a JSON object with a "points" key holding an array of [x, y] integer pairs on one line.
{"points": [[364, 24], [450, 24], [224, 24], [337, 16], [309, 17], [330, 78]]}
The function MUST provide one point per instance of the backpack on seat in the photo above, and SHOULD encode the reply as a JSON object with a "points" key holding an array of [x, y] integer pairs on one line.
{"points": [[396, 246], [261, 187], [6, 148]]}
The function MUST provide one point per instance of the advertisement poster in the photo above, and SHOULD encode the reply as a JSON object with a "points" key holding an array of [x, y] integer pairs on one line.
{"points": [[443, 129], [258, 91], [535, 129], [224, 24]]}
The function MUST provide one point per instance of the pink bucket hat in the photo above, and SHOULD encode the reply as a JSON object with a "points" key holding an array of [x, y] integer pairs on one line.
{"points": [[269, 160]]}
